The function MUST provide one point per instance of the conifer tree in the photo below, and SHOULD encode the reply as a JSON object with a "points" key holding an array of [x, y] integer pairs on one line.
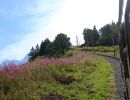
{"points": [[44, 47], [32, 54]]}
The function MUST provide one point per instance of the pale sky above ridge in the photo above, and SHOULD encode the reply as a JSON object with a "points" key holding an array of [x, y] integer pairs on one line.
{"points": [[24, 23]]}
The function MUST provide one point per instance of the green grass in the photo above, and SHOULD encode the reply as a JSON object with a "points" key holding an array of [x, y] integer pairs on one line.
{"points": [[101, 79], [108, 50], [72, 51], [93, 80]]}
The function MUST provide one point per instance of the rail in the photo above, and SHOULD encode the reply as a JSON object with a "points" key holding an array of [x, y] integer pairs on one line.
{"points": [[126, 81]]}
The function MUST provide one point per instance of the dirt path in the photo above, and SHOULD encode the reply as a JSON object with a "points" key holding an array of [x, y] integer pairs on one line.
{"points": [[120, 87]]}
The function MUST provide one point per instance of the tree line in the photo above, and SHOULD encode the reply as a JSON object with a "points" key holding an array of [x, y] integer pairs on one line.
{"points": [[106, 36], [51, 49]]}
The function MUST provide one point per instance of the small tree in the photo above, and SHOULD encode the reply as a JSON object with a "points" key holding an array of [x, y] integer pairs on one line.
{"points": [[32, 54], [37, 49], [91, 36], [50, 50], [106, 35], [95, 36], [61, 42], [44, 47], [88, 37], [41, 52]]}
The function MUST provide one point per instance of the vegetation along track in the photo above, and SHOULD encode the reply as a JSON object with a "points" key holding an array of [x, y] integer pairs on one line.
{"points": [[120, 84]]}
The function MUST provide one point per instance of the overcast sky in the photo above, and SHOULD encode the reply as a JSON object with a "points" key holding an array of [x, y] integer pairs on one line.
{"points": [[24, 23]]}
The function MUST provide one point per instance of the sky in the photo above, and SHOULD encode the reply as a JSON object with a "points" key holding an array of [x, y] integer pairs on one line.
{"points": [[24, 23]]}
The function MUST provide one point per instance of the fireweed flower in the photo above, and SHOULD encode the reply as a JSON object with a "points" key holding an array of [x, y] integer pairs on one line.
{"points": [[12, 69]]}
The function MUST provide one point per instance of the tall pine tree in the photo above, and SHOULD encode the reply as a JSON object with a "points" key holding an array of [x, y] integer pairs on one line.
{"points": [[44, 47], [32, 54]]}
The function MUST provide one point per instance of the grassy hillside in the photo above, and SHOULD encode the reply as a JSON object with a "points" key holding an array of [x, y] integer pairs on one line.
{"points": [[82, 76]]}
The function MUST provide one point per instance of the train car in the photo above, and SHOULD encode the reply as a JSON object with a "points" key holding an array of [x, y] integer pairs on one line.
{"points": [[124, 43]]}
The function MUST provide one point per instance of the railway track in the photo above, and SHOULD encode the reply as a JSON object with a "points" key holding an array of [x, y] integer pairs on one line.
{"points": [[121, 86]]}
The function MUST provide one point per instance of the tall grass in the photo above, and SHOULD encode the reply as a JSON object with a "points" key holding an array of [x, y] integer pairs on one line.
{"points": [[80, 77]]}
